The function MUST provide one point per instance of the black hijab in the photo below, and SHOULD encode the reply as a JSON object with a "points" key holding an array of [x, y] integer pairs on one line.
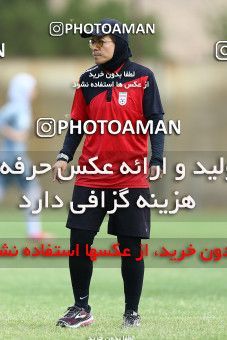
{"points": [[121, 54]]}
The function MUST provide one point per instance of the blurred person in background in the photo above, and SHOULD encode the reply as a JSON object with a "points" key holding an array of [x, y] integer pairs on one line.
{"points": [[15, 124]]}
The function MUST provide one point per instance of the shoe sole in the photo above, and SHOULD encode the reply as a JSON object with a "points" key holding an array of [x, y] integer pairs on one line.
{"points": [[138, 324], [80, 324]]}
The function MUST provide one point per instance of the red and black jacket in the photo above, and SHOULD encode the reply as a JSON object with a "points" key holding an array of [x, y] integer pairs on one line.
{"points": [[100, 97]]}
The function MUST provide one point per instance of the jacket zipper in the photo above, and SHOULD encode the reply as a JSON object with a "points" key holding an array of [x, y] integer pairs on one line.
{"points": [[109, 94]]}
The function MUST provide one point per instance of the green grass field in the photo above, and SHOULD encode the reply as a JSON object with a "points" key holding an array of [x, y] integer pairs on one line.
{"points": [[175, 304]]}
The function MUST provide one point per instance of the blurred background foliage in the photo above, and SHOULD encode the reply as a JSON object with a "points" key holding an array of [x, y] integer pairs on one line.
{"points": [[24, 27], [218, 25]]}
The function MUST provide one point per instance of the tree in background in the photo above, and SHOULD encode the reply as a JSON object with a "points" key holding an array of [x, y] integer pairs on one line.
{"points": [[24, 27]]}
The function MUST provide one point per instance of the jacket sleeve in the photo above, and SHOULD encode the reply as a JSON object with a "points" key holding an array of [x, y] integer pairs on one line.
{"points": [[78, 113], [153, 110]]}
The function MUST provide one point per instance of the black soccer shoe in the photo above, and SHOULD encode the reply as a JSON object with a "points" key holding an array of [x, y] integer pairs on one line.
{"points": [[75, 317], [131, 319]]}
